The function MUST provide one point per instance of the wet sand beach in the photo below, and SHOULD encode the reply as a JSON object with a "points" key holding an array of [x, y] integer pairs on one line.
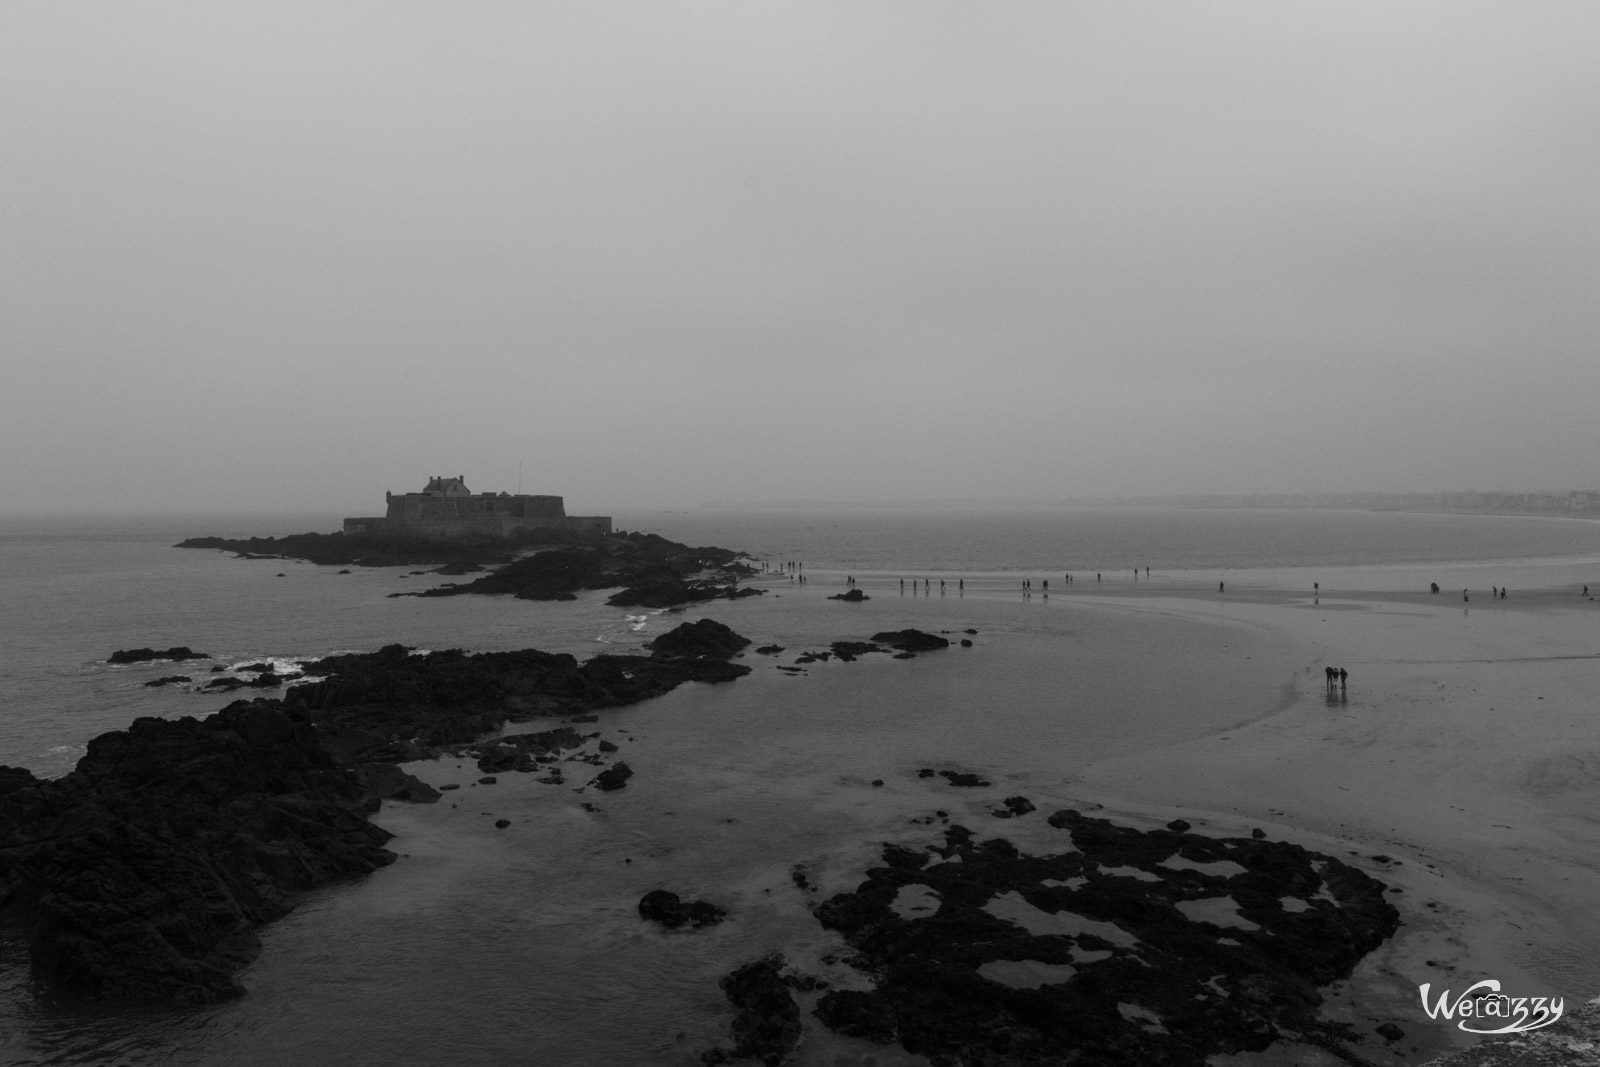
{"points": [[1464, 752]]}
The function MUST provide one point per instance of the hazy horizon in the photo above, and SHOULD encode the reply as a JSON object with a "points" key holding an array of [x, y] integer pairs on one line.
{"points": [[290, 256]]}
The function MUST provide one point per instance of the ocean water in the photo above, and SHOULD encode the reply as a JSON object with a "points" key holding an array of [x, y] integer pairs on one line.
{"points": [[523, 946]]}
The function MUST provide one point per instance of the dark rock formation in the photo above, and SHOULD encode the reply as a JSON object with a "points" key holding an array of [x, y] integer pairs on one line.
{"points": [[363, 550], [766, 1026], [145, 655], [959, 779], [908, 642], [653, 571], [911, 640], [1028, 960], [665, 907], [388, 782], [521, 752], [145, 872], [706, 637], [612, 778], [854, 596], [391, 705], [1012, 807], [171, 679]]}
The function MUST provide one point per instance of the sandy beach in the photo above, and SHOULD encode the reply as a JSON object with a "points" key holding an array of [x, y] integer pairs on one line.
{"points": [[1463, 752]]}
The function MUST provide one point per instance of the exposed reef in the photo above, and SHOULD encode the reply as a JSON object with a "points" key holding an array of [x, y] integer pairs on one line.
{"points": [[147, 655], [1130, 947], [363, 550], [145, 872], [648, 569]]}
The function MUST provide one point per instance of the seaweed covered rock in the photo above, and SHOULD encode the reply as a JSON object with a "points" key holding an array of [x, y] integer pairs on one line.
{"points": [[1138, 947]]}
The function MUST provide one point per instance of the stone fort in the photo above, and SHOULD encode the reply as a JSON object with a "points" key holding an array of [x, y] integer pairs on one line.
{"points": [[446, 510]]}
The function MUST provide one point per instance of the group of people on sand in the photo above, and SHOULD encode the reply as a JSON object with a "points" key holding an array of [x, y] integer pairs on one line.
{"points": [[1336, 674]]}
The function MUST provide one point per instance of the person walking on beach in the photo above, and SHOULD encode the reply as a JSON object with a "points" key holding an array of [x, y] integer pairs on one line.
{"points": [[1220, 587], [1343, 674]]}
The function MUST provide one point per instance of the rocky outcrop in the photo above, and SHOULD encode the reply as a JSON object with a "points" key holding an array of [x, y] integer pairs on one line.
{"points": [[145, 655], [145, 873], [393, 705], [1139, 947], [699, 640], [652, 571], [613, 778], [667, 908], [911, 640], [363, 550], [766, 1023]]}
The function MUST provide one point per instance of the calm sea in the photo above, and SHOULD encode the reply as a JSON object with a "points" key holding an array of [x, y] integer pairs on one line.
{"points": [[469, 956]]}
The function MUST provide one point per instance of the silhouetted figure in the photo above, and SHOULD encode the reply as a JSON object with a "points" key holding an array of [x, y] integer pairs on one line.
{"points": [[1316, 588], [1433, 587], [1221, 587], [1464, 597], [1331, 673], [1343, 675]]}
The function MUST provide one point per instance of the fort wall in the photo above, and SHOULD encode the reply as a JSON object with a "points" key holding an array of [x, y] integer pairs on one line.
{"points": [[447, 511]]}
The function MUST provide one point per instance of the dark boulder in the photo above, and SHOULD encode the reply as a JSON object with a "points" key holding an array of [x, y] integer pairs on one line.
{"points": [[707, 637], [613, 778], [665, 907]]}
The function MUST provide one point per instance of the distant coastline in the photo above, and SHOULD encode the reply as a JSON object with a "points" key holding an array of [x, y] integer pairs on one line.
{"points": [[1576, 503]]}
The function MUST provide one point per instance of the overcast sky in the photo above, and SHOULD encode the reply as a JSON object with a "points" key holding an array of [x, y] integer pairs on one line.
{"points": [[293, 255]]}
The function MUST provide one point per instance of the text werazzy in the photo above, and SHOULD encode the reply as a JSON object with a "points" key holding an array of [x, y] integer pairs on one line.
{"points": [[1482, 1006]]}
